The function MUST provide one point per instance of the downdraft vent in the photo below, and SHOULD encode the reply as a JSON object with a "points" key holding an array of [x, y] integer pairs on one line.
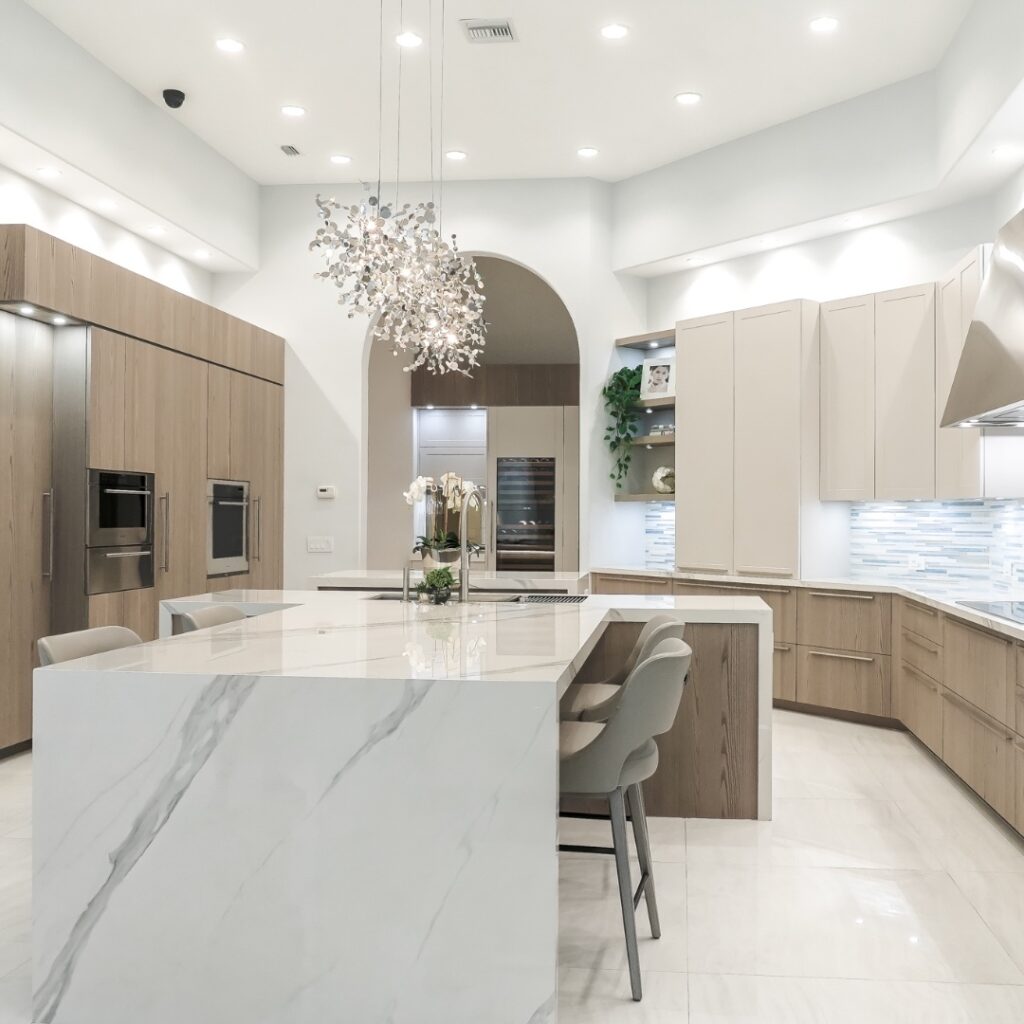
{"points": [[289, 151], [489, 30]]}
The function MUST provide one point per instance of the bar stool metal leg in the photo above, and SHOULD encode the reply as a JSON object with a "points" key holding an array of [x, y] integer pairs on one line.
{"points": [[638, 812], [621, 844]]}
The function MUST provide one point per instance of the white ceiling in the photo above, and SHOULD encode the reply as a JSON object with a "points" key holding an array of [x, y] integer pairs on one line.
{"points": [[519, 110]]}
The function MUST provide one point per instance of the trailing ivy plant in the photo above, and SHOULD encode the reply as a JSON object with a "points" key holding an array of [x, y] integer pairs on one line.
{"points": [[621, 394]]}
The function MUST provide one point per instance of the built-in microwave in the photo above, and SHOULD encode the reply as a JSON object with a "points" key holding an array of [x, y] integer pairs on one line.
{"points": [[227, 535], [120, 508]]}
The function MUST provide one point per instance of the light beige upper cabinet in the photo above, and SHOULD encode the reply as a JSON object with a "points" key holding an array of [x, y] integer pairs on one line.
{"points": [[959, 466], [848, 399], [704, 444], [905, 393], [768, 348]]}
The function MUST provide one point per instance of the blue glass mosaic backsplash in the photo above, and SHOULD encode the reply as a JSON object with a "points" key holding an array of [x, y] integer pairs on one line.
{"points": [[972, 541], [660, 535]]}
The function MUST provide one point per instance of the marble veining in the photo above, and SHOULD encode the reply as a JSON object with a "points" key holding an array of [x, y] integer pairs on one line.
{"points": [[210, 717]]}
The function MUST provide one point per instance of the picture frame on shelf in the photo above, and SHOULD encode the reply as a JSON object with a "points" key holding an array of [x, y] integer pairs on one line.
{"points": [[659, 378]]}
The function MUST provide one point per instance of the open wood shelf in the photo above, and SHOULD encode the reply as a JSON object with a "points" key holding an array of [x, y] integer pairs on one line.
{"points": [[655, 439], [668, 402], [653, 340], [653, 496]]}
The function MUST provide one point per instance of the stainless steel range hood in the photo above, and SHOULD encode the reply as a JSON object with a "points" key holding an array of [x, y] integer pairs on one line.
{"points": [[988, 389]]}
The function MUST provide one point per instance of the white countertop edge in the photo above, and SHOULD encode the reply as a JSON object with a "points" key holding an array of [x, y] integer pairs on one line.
{"points": [[948, 604]]}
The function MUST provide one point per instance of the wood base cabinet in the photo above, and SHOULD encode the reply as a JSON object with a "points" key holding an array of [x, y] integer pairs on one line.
{"points": [[981, 752], [844, 681], [784, 672], [917, 703]]}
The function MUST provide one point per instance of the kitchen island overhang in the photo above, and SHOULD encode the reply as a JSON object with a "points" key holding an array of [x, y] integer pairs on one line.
{"points": [[344, 809]]}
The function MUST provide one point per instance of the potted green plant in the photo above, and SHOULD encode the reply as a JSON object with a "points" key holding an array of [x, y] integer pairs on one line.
{"points": [[437, 585], [621, 394]]}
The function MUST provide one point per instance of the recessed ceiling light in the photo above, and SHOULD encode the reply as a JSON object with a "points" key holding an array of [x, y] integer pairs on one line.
{"points": [[455, 154], [409, 40], [48, 172], [26, 310], [688, 99], [230, 46], [338, 158], [289, 111], [202, 254], [155, 230], [824, 25], [615, 31], [60, 321], [586, 152]]}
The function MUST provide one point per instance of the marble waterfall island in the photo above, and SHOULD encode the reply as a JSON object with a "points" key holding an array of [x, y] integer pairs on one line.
{"points": [[340, 810]]}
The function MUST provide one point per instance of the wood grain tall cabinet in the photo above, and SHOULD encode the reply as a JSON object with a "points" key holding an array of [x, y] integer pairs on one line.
{"points": [[26, 359]]}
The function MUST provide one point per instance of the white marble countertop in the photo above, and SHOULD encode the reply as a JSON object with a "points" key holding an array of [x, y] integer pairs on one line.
{"points": [[350, 635], [391, 579], [942, 594]]}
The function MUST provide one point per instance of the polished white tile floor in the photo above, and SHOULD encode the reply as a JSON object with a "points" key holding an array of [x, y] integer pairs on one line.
{"points": [[882, 892]]}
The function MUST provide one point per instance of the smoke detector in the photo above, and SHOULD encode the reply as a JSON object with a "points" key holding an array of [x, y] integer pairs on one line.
{"points": [[289, 151], [488, 30]]}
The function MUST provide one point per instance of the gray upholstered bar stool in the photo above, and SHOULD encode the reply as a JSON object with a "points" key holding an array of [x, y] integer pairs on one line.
{"points": [[612, 759], [594, 702], [214, 615], [83, 642]]}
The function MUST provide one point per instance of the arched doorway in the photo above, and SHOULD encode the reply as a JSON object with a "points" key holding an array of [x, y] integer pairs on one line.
{"points": [[524, 396]]}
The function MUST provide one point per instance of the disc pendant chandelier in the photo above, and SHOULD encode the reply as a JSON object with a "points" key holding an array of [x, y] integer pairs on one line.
{"points": [[393, 263]]}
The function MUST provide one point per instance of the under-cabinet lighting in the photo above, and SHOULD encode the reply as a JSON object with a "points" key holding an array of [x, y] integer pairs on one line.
{"points": [[430, 407], [26, 310], [60, 321], [474, 406], [652, 344]]}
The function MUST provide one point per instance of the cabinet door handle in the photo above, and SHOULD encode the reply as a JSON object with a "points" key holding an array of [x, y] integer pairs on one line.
{"points": [[259, 529], [48, 570], [979, 717], [783, 647], [165, 500], [841, 657], [840, 595], [924, 609], [762, 570], [128, 554], [925, 645]]}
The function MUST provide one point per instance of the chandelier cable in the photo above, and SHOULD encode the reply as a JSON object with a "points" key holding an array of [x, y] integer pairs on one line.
{"points": [[380, 95], [398, 119]]}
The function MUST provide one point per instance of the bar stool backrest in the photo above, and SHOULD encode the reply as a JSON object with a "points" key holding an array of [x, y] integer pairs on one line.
{"points": [[68, 646], [647, 708], [214, 615], [643, 646]]}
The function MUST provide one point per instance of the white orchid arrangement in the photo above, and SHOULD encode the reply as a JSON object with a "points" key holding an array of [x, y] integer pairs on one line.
{"points": [[446, 498]]}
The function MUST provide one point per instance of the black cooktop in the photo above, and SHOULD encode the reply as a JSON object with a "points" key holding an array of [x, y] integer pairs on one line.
{"points": [[1011, 610]]}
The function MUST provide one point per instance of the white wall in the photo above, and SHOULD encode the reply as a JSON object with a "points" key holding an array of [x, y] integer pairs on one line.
{"points": [[59, 97], [27, 202], [558, 229], [892, 255]]}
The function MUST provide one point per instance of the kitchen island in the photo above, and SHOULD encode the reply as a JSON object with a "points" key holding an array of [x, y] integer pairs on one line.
{"points": [[343, 808]]}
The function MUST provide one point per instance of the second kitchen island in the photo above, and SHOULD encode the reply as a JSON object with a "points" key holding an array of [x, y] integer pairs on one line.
{"points": [[341, 809]]}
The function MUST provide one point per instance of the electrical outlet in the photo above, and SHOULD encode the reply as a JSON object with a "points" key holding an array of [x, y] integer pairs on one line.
{"points": [[319, 545]]}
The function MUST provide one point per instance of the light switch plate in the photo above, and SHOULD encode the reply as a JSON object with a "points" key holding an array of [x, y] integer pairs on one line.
{"points": [[319, 545]]}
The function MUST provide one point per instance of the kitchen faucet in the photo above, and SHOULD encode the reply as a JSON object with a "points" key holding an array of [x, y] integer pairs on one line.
{"points": [[467, 497]]}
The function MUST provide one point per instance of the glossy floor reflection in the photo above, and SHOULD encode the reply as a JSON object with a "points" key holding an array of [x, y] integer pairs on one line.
{"points": [[881, 892]]}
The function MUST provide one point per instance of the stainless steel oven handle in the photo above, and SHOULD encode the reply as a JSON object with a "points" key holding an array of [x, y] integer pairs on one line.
{"points": [[231, 504], [126, 490], [128, 554], [258, 503]]}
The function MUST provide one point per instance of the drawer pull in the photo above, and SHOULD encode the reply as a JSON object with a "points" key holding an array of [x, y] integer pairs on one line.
{"points": [[764, 570], [924, 609], [910, 670], [978, 717], [842, 596], [925, 645], [758, 590], [783, 647], [841, 657]]}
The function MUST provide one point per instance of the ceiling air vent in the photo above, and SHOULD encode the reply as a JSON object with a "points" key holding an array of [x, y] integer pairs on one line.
{"points": [[489, 30], [289, 151]]}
